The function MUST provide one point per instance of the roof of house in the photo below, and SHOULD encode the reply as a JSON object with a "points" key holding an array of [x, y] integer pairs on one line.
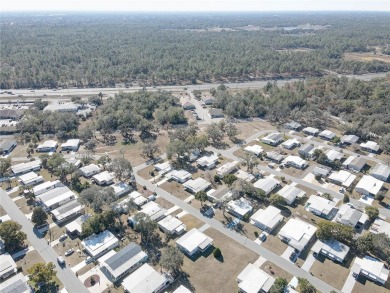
{"points": [[371, 265], [207, 160], [221, 193], [371, 184], [311, 130], [268, 217], [45, 185], [252, 280], [349, 138], [30, 177], [273, 155], [348, 214], [48, 144], [290, 193], [7, 263], [276, 136], [7, 144], [137, 197], [194, 239], [327, 133], [255, 149], [180, 174], [306, 148], [166, 166], [292, 125], [266, 184], [345, 178], [153, 210], [296, 160], [91, 168], [333, 155], [67, 210], [226, 168], [240, 206], [16, 113], [380, 226], [172, 224], [97, 243], [331, 248], [243, 175], [356, 162], [215, 112], [207, 98], [182, 289], [15, 284], [71, 143], [381, 170], [196, 185], [55, 195], [104, 176], [323, 170], [299, 233], [120, 188], [23, 167], [76, 225], [187, 104], [321, 204], [372, 145], [291, 142], [144, 280]]}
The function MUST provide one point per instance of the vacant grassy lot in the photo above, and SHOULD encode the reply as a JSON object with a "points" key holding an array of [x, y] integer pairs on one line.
{"points": [[274, 244], [26, 261], [367, 56], [362, 285], [145, 172], [24, 205], [275, 271], [207, 274], [164, 203], [176, 189], [191, 222]]}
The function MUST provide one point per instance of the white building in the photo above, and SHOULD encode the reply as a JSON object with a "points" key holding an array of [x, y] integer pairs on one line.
{"points": [[239, 207], [369, 185], [380, 226], [182, 289], [274, 156], [193, 242], [292, 125], [322, 171], [63, 107], [55, 197], [267, 184], [67, 211], [47, 146], [16, 284], [273, 139], [146, 280], [327, 134], [349, 139], [180, 176], [118, 264], [7, 266], [120, 188], [137, 198], [75, 227], [97, 245], [30, 179], [89, 170], [355, 164], [172, 225], [311, 131], [23, 168], [267, 219], [103, 178], [291, 193], [227, 168], [70, 145], [245, 176], [320, 206], [296, 162], [349, 216], [253, 280], [151, 209], [291, 143], [370, 268], [370, 146], [219, 195], [333, 155], [254, 149], [307, 151], [46, 186], [332, 249], [163, 168], [199, 184], [381, 172], [342, 178], [207, 162], [297, 233]]}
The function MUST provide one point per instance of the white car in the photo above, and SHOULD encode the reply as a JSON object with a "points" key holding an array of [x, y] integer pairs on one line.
{"points": [[263, 236], [60, 260], [69, 252], [63, 237]]}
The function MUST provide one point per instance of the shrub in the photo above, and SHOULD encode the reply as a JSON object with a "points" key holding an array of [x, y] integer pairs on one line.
{"points": [[217, 252]]}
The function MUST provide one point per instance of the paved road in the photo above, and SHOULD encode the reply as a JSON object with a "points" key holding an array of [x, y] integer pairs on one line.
{"points": [[274, 258], [67, 277]]}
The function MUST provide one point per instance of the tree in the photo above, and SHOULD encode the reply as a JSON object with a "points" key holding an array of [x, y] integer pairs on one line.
{"points": [[250, 161], [41, 275], [201, 196], [91, 145], [330, 230], [214, 133], [364, 243], [104, 161], [305, 286], [177, 149], [11, 234], [229, 179], [145, 226], [172, 260], [98, 223], [96, 100], [5, 164], [277, 200], [149, 149], [327, 196], [345, 198], [385, 143], [217, 252], [85, 134], [372, 212], [97, 198], [122, 168], [39, 216], [279, 285], [231, 131]]}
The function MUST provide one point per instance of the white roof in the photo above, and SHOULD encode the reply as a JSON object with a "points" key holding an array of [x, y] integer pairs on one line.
{"points": [[370, 184], [7, 263], [172, 224], [199, 184], [71, 143], [268, 217], [137, 198], [380, 226], [243, 175], [45, 185], [207, 160], [296, 160], [23, 167], [30, 177], [333, 155], [91, 168], [266, 184], [299, 233], [95, 244], [372, 266], [240, 206], [273, 137], [348, 214], [104, 176], [182, 289], [311, 130], [253, 280], [372, 145], [291, 142], [349, 138], [76, 225], [343, 177], [381, 170], [15, 284], [331, 248], [67, 210], [70, 106], [193, 240], [73, 161], [254, 149], [226, 168], [144, 280], [56, 195], [180, 174], [320, 204], [163, 167], [290, 193], [327, 133], [151, 208], [120, 188], [48, 144]]}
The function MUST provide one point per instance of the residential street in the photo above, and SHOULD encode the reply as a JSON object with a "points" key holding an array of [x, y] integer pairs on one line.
{"points": [[66, 276]]}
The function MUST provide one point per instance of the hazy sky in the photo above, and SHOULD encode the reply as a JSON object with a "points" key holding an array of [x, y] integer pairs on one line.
{"points": [[193, 5]]}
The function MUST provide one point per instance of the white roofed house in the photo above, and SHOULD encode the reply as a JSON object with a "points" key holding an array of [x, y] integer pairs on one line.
{"points": [[199, 184], [333, 155], [273, 139], [172, 226], [89, 170], [97, 245], [215, 113], [120, 188], [23, 168], [103, 178], [291, 193], [146, 279], [208, 100], [327, 135], [47, 146], [67, 211], [254, 280], [219, 195], [322, 171], [267, 219], [56, 197], [245, 176], [182, 289], [349, 216], [70, 145], [239, 208], [227, 168], [342, 178], [194, 242], [349, 139], [291, 143], [7, 266], [311, 131], [355, 164], [62, 107], [370, 268], [320, 206], [369, 185], [274, 156], [296, 162], [118, 264], [151, 209], [75, 227], [254, 149], [207, 162], [137, 198], [16, 284], [30, 179], [180, 176], [380, 226], [370, 146], [307, 151], [163, 168], [381, 172], [188, 106], [292, 125], [332, 249], [46, 186], [267, 184], [297, 233], [6, 146]]}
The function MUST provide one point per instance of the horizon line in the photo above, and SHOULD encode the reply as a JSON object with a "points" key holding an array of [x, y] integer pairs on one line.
{"points": [[193, 11]]}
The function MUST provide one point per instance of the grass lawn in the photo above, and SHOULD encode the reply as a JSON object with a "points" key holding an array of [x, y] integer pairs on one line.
{"points": [[362, 285], [164, 203], [275, 271], [175, 189], [191, 222], [207, 274], [74, 258], [274, 244], [145, 172], [114, 289], [55, 233], [26, 261], [24, 206]]}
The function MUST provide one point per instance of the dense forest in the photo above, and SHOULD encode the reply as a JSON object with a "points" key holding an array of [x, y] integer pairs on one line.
{"points": [[101, 50]]}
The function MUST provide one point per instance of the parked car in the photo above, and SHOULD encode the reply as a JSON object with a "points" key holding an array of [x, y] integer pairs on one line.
{"points": [[263, 236], [63, 237], [293, 256], [60, 260], [69, 252]]}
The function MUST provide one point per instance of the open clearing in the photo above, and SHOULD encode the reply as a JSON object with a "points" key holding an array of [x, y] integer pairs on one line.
{"points": [[367, 56]]}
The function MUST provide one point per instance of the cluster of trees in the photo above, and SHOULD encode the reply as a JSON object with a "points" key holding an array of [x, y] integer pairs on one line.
{"points": [[156, 49], [98, 223], [12, 235], [97, 198], [331, 230], [41, 275], [377, 244]]}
